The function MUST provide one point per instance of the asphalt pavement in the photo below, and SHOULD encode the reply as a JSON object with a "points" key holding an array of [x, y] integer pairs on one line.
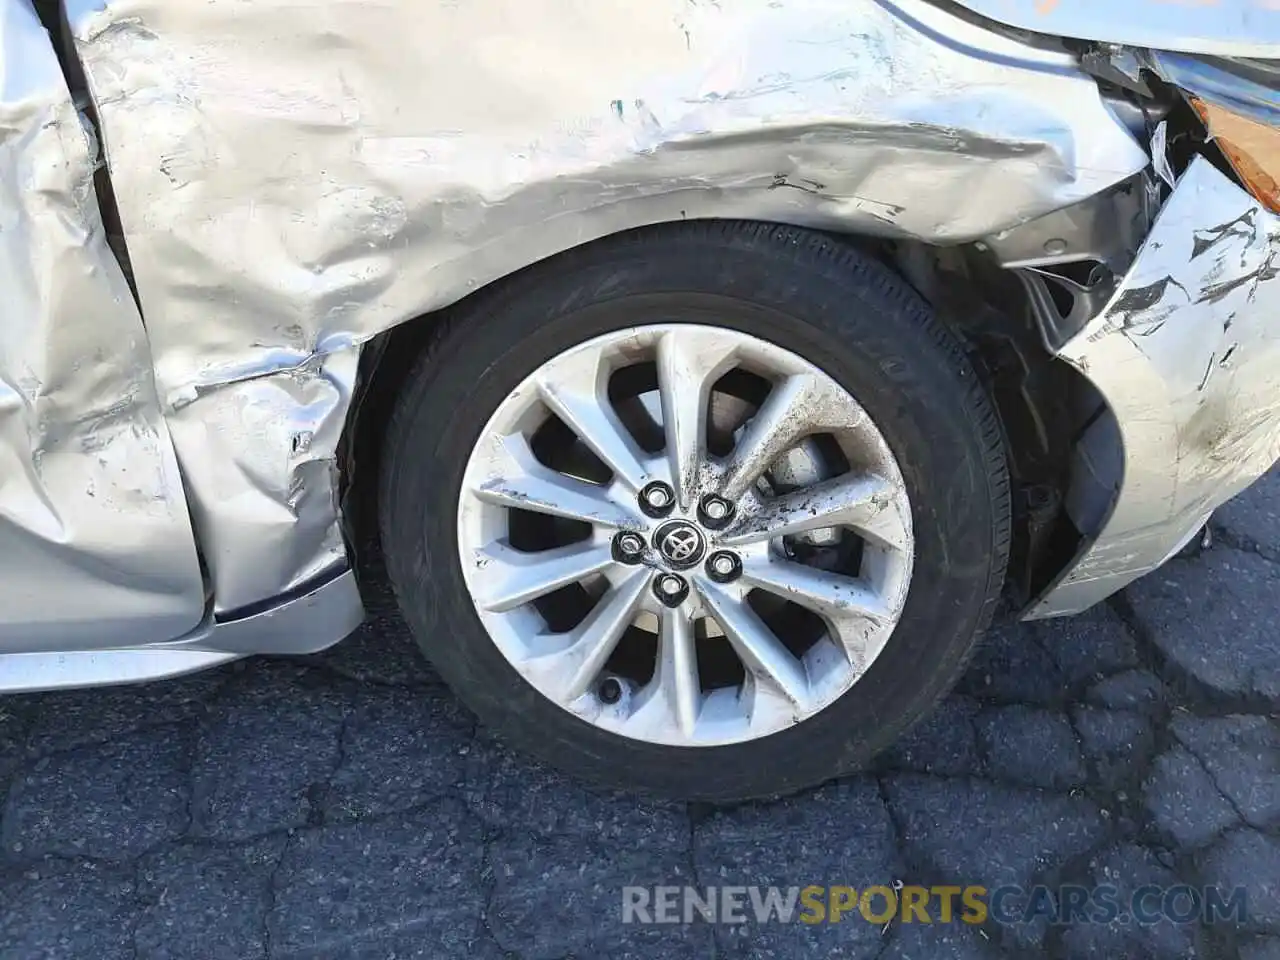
{"points": [[346, 806]]}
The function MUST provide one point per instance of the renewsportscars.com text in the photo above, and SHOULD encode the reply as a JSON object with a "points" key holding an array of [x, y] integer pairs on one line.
{"points": [[904, 903]]}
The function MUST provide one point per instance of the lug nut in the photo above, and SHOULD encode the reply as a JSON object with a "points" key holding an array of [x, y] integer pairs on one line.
{"points": [[715, 512], [610, 691], [657, 499], [628, 547], [723, 566], [671, 589]]}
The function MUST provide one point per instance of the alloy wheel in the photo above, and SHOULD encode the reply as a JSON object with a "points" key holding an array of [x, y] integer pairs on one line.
{"points": [[685, 535]]}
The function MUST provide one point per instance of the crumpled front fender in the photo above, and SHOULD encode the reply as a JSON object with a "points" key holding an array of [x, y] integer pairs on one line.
{"points": [[1187, 356], [293, 179]]}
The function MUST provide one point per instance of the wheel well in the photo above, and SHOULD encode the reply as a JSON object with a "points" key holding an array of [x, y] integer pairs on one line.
{"points": [[385, 363], [1061, 442], [1044, 404]]}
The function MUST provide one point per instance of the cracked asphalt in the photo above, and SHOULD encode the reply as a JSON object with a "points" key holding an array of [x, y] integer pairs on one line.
{"points": [[346, 806]]}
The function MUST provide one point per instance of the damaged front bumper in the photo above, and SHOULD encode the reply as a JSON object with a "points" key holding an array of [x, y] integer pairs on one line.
{"points": [[1187, 356]]}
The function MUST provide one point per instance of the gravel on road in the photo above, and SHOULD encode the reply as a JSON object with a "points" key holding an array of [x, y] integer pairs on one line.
{"points": [[345, 806]]}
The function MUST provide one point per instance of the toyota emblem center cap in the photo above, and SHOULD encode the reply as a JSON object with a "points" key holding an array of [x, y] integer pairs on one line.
{"points": [[680, 543]]}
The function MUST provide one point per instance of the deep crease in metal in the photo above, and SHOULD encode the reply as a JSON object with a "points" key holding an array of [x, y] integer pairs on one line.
{"points": [[95, 539], [279, 215]]}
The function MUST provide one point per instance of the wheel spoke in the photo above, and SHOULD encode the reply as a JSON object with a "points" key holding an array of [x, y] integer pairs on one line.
{"points": [[856, 637], [568, 674], [760, 651], [801, 405], [689, 362], [520, 482], [827, 594], [575, 390], [853, 613], [869, 504], [678, 669], [510, 577]]}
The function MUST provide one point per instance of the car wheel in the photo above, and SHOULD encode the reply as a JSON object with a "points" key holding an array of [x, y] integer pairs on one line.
{"points": [[709, 510]]}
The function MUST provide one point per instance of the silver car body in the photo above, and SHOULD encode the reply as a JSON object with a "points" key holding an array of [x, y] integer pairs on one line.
{"points": [[293, 180], [1228, 28]]}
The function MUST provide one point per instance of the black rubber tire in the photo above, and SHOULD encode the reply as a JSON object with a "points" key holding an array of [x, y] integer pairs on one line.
{"points": [[806, 292]]}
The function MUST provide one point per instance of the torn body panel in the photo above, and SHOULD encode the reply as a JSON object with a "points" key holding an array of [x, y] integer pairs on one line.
{"points": [[1187, 356], [279, 214], [96, 545]]}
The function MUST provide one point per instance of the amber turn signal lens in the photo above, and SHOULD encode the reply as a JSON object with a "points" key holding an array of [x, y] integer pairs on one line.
{"points": [[1252, 148]]}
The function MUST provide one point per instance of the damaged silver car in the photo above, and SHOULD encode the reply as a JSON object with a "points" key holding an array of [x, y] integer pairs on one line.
{"points": [[703, 375]]}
